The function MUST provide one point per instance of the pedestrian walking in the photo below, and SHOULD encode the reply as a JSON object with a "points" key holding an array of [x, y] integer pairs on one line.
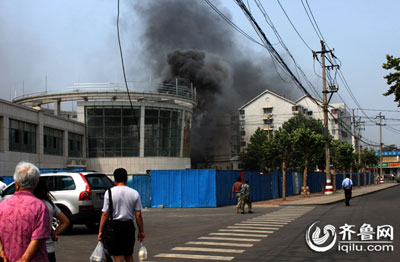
{"points": [[24, 219], [347, 185], [245, 196], [126, 206], [2, 184], [236, 189], [43, 193]]}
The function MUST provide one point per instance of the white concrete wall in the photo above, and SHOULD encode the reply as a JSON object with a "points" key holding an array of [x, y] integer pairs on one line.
{"points": [[136, 165], [254, 113], [9, 159]]}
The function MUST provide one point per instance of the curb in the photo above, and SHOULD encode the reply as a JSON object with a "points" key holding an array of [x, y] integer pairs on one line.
{"points": [[338, 200]]}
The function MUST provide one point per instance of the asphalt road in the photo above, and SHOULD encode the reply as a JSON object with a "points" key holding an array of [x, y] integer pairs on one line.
{"points": [[271, 233]]}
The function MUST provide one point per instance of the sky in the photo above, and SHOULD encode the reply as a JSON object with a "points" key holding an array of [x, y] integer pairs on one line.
{"points": [[69, 41]]}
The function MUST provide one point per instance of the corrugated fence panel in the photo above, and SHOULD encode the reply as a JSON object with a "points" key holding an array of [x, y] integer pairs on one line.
{"points": [[314, 182], [225, 181], [199, 188], [141, 183], [275, 184], [166, 188], [258, 185], [183, 188], [290, 183]]}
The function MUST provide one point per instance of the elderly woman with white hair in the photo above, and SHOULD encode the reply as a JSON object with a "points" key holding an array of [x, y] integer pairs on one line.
{"points": [[24, 219]]}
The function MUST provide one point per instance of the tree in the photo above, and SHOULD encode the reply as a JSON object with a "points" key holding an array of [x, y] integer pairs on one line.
{"points": [[335, 151], [343, 156], [306, 144], [282, 142], [253, 156], [393, 79], [369, 158]]}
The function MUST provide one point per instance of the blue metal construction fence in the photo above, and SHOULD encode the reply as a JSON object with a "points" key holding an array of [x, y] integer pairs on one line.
{"points": [[213, 188]]}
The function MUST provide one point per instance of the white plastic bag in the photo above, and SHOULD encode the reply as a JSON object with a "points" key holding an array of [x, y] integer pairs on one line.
{"points": [[142, 255], [98, 254]]}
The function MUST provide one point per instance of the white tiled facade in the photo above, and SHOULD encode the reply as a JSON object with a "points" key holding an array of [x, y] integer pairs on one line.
{"points": [[269, 111]]}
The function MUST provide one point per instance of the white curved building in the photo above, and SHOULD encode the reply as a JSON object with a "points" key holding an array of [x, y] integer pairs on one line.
{"points": [[146, 128]]}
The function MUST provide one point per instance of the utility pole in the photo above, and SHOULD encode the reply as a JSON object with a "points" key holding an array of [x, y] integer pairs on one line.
{"points": [[380, 116], [328, 186], [354, 131]]}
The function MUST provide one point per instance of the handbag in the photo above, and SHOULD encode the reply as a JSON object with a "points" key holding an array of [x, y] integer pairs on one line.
{"points": [[108, 230]]}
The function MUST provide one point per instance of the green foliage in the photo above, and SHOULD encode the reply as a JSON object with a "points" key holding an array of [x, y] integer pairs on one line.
{"points": [[253, 157], [299, 139], [369, 158], [393, 79], [341, 154]]}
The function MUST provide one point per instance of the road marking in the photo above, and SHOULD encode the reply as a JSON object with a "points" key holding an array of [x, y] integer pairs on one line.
{"points": [[257, 224], [231, 238], [246, 231], [218, 244], [270, 222], [218, 258], [205, 249], [238, 235], [250, 227]]}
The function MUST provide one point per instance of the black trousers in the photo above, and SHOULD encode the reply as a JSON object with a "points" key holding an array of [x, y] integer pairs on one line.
{"points": [[347, 194]]}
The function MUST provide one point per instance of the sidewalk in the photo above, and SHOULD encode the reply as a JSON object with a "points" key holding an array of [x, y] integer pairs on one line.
{"points": [[321, 199]]}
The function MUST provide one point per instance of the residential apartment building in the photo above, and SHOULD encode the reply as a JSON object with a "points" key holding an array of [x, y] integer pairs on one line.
{"points": [[269, 111]]}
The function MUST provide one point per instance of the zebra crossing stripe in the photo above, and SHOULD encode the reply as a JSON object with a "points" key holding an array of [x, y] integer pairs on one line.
{"points": [[206, 249], [270, 222], [246, 231], [231, 239], [263, 224], [238, 235], [218, 244], [250, 227], [202, 257]]}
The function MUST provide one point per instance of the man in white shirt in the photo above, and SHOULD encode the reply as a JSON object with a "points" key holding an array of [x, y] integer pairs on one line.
{"points": [[126, 206], [347, 185], [2, 184]]}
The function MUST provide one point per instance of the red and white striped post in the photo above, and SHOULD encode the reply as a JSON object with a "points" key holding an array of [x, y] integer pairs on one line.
{"points": [[328, 187]]}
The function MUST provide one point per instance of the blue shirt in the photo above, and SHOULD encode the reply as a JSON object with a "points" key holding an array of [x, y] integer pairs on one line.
{"points": [[347, 183]]}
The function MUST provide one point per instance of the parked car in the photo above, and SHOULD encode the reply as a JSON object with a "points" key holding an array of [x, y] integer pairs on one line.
{"points": [[79, 195]]}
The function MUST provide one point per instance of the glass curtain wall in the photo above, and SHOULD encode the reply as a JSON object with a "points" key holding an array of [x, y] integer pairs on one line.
{"points": [[112, 132], [162, 132]]}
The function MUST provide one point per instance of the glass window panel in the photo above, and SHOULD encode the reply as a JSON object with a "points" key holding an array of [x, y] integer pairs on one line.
{"points": [[112, 112], [112, 132], [22, 136], [112, 121]]}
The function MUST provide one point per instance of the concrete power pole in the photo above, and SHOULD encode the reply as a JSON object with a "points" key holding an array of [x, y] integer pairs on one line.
{"points": [[380, 116], [328, 186]]}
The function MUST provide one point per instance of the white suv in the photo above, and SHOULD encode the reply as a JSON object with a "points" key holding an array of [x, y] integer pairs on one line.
{"points": [[79, 195]]}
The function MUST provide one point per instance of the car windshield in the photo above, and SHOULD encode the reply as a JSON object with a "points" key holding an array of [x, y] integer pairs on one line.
{"points": [[99, 181]]}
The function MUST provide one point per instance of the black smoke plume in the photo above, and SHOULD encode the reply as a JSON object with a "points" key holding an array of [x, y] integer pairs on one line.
{"points": [[188, 41]]}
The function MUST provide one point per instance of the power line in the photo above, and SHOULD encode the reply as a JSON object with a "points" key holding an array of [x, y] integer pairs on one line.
{"points": [[290, 21], [123, 71]]}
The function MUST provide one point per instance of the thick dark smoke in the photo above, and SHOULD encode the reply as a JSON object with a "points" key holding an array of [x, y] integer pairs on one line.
{"points": [[188, 41]]}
